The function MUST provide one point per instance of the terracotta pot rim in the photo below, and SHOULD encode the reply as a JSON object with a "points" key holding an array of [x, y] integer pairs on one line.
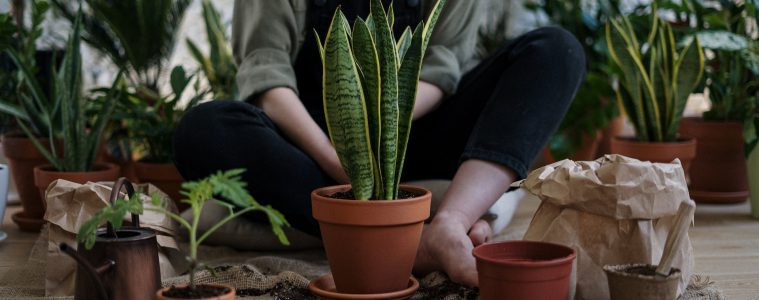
{"points": [[681, 141], [319, 193], [315, 288], [616, 270], [106, 168], [232, 291], [525, 264], [722, 122]]}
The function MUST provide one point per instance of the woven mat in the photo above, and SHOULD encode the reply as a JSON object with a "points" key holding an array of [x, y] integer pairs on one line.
{"points": [[265, 276]]}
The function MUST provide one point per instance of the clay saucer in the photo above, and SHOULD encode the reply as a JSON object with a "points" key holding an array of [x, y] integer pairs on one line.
{"points": [[324, 287], [26, 223]]}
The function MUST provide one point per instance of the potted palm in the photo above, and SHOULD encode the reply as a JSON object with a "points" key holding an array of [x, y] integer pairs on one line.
{"points": [[229, 186], [732, 82], [80, 134], [18, 52], [371, 228], [654, 86], [141, 49]]}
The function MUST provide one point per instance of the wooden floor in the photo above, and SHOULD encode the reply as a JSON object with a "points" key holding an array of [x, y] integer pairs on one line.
{"points": [[726, 240]]}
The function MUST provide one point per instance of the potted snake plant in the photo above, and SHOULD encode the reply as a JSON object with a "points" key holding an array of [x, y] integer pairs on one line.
{"points": [[654, 86], [372, 227]]}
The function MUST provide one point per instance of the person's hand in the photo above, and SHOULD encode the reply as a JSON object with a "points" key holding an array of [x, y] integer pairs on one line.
{"points": [[447, 245]]}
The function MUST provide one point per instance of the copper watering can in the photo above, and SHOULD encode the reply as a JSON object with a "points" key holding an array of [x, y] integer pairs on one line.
{"points": [[122, 265]]}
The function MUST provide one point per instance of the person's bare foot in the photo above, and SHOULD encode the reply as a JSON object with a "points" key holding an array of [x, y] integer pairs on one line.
{"points": [[447, 246]]}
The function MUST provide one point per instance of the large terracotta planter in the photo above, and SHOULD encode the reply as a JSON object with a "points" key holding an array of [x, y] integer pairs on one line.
{"points": [[230, 295], [753, 177], [685, 150], [370, 245], [23, 156], [164, 176], [45, 175], [524, 270], [718, 174]]}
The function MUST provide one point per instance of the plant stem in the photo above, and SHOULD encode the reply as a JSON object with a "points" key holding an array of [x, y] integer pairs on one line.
{"points": [[224, 221]]}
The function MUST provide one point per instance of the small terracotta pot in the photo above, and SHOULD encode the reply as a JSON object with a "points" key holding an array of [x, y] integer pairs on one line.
{"points": [[524, 270], [164, 176], [685, 150], [45, 175], [629, 286], [588, 151], [370, 245], [23, 156], [228, 296], [718, 174]]}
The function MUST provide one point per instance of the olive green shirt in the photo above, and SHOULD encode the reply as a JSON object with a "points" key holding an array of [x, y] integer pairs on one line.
{"points": [[267, 35]]}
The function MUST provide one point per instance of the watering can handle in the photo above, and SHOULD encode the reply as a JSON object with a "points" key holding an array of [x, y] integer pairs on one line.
{"points": [[122, 182]]}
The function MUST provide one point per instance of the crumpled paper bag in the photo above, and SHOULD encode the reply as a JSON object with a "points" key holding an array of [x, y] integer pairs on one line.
{"points": [[614, 210], [69, 205]]}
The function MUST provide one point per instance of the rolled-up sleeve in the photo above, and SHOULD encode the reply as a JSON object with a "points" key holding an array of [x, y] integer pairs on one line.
{"points": [[264, 38], [452, 45]]}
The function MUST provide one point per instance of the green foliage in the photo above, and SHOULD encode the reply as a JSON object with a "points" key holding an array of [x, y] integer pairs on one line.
{"points": [[370, 83], [227, 184], [218, 67], [655, 79], [593, 106]]}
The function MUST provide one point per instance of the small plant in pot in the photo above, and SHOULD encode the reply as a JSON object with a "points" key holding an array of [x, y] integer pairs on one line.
{"points": [[654, 86], [372, 227], [80, 133], [227, 185], [732, 73]]}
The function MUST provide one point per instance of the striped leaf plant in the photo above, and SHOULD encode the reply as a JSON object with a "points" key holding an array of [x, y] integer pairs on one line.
{"points": [[369, 90], [656, 78]]}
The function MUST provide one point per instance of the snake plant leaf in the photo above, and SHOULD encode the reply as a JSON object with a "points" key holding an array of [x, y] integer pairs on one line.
{"points": [[431, 22], [390, 16], [13, 110], [72, 103], [388, 102], [31, 83], [687, 74], [408, 82], [320, 46], [403, 43], [649, 98], [367, 59], [94, 139], [345, 109], [616, 40], [371, 26]]}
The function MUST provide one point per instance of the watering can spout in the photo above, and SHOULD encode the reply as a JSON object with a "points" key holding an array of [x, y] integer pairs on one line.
{"points": [[94, 272]]}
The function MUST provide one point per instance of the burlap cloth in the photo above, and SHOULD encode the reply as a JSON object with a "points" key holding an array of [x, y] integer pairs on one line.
{"points": [[259, 275]]}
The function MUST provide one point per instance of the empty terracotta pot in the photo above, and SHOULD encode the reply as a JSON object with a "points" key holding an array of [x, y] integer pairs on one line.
{"points": [[718, 174], [524, 270], [370, 245], [165, 177], [45, 175], [230, 295], [629, 282], [685, 150], [23, 156]]}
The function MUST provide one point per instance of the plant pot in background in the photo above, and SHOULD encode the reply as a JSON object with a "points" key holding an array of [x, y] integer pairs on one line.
{"points": [[588, 151], [370, 245], [45, 175], [230, 295], [753, 177], [718, 174], [626, 284], [615, 128], [4, 180], [23, 156], [685, 150], [524, 270], [164, 176]]}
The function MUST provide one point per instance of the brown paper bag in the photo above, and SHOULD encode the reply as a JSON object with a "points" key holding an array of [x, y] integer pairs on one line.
{"points": [[615, 210], [69, 205]]}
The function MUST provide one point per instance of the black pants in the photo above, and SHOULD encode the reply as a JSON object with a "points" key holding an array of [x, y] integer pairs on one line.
{"points": [[504, 111]]}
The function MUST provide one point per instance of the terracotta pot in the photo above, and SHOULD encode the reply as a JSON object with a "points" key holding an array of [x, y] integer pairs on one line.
{"points": [[615, 128], [23, 156], [524, 270], [685, 150], [370, 245], [165, 177], [718, 174], [228, 296], [629, 286], [45, 175], [587, 152], [753, 176]]}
